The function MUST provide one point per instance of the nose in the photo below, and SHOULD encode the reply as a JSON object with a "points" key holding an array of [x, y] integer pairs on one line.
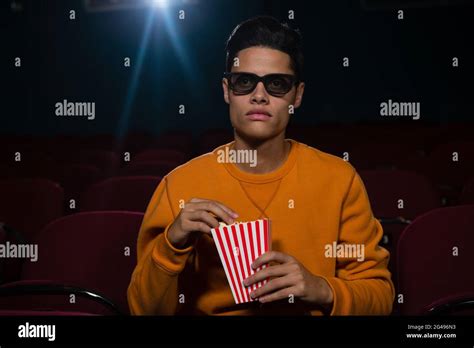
{"points": [[259, 94]]}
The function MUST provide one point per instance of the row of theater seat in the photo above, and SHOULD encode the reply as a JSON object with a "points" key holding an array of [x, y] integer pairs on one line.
{"points": [[450, 167], [421, 137], [397, 197], [445, 155], [394, 194], [87, 260], [99, 179], [84, 265], [340, 138]]}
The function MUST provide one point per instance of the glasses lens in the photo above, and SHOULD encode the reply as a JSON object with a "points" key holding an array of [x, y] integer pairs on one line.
{"points": [[243, 83], [279, 84]]}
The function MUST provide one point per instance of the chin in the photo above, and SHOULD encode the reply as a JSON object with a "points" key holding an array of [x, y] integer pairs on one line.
{"points": [[256, 133]]}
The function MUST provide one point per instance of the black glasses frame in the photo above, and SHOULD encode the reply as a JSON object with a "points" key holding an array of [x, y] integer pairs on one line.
{"points": [[266, 79]]}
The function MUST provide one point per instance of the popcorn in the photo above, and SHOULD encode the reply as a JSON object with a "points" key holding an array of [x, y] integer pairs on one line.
{"points": [[239, 245]]}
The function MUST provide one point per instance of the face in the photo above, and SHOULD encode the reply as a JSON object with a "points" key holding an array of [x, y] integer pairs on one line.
{"points": [[259, 115]]}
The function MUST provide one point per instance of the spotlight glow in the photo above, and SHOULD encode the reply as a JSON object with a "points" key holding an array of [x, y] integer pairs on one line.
{"points": [[160, 3]]}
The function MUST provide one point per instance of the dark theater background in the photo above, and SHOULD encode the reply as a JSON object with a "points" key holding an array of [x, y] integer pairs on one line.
{"points": [[149, 77]]}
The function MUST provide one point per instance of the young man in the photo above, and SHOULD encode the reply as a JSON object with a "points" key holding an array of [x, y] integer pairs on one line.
{"points": [[317, 203]]}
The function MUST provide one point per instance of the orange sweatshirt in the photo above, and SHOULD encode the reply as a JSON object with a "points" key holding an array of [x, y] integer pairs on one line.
{"points": [[320, 215]]}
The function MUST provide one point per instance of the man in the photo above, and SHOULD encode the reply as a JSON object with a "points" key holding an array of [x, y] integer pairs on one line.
{"points": [[317, 203]]}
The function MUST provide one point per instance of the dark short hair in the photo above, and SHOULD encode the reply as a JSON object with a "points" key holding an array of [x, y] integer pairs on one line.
{"points": [[266, 31]]}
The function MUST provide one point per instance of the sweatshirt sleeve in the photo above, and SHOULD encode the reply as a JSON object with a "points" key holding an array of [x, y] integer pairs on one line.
{"points": [[361, 287], [153, 289]]}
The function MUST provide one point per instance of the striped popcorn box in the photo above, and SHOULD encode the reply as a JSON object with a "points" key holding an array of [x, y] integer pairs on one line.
{"points": [[239, 245]]}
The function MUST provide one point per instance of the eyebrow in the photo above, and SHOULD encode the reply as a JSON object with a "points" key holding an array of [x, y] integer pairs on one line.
{"points": [[272, 73]]}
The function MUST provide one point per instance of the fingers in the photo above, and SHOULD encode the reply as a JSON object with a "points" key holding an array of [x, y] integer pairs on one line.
{"points": [[222, 206], [203, 216], [273, 286], [199, 226], [272, 256], [198, 215], [215, 208], [279, 295], [272, 271]]}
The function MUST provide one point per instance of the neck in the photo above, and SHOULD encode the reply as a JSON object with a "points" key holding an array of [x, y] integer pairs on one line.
{"points": [[271, 153]]}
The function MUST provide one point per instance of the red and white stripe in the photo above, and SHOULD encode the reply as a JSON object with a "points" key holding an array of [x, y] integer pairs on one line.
{"points": [[238, 246]]}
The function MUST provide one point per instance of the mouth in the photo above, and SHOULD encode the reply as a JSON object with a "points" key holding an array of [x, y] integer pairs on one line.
{"points": [[258, 115]]}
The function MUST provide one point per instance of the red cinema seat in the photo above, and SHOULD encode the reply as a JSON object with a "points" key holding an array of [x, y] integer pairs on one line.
{"points": [[89, 255], [96, 142], [467, 195], [396, 197], [435, 258], [107, 161], [213, 138], [120, 193], [452, 164], [76, 178], [382, 155], [27, 205], [174, 140], [149, 168], [399, 193], [21, 163], [135, 142], [151, 155]]}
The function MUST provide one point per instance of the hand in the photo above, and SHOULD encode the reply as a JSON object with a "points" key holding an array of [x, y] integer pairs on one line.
{"points": [[290, 277], [196, 216]]}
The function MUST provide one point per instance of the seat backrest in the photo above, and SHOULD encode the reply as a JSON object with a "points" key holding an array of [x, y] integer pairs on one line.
{"points": [[382, 154], [107, 161], [213, 138], [76, 178], [27, 205], [148, 168], [395, 193], [26, 163], [435, 257], [92, 250], [120, 193], [452, 163], [467, 195], [177, 140], [161, 155]]}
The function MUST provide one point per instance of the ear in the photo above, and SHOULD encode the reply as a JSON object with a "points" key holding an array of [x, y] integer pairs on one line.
{"points": [[299, 95], [225, 88]]}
